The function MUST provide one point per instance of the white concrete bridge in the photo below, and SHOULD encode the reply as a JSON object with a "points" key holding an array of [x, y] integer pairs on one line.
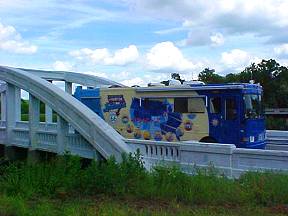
{"points": [[81, 131], [92, 132]]}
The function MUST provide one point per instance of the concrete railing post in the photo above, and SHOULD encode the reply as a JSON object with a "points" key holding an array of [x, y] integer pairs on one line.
{"points": [[10, 112], [17, 104], [3, 106], [63, 126], [68, 87], [62, 134], [34, 115], [48, 112]]}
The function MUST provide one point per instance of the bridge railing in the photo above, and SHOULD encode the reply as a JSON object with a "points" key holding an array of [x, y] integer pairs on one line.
{"points": [[226, 158]]}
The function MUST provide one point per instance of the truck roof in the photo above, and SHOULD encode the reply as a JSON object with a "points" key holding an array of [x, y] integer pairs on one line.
{"points": [[230, 86]]}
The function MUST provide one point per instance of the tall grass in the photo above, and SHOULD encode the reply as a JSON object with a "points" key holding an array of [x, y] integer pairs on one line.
{"points": [[65, 177]]}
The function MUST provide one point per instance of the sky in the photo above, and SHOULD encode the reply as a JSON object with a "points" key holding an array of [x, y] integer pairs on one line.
{"points": [[140, 41]]}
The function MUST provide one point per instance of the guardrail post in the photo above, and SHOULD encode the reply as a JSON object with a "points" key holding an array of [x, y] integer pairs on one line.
{"points": [[62, 134], [3, 106], [34, 115], [10, 112], [48, 112]]}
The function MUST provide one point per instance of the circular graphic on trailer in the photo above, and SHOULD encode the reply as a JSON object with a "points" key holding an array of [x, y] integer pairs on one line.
{"points": [[146, 135], [129, 128], [113, 116], [125, 119], [158, 136], [215, 122], [188, 125], [191, 116], [137, 133], [169, 136]]}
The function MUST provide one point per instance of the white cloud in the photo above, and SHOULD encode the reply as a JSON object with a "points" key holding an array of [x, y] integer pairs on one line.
{"points": [[167, 57], [120, 57], [11, 41], [134, 81], [237, 59], [262, 18], [217, 39], [202, 37], [282, 50], [123, 56], [62, 66]]}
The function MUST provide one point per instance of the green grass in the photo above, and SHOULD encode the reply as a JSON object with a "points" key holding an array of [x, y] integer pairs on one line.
{"points": [[108, 206], [115, 206], [64, 186]]}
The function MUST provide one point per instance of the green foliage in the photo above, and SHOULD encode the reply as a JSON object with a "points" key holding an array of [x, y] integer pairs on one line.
{"points": [[110, 177], [59, 175], [203, 187], [209, 76], [177, 76], [25, 117], [24, 106], [273, 123], [266, 188], [65, 177], [269, 73]]}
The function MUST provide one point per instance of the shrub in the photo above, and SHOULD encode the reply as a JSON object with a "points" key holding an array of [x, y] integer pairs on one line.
{"points": [[64, 176], [266, 188]]}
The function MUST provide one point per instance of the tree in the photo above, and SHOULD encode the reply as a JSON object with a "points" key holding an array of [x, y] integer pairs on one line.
{"points": [[209, 76], [265, 73], [176, 76]]}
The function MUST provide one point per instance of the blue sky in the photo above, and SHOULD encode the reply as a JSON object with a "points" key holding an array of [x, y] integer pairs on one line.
{"points": [[141, 41]]}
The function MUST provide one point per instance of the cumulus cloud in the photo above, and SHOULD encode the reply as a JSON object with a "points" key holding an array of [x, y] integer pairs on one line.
{"points": [[11, 41], [166, 57], [62, 66], [262, 18], [200, 37], [282, 51], [103, 56], [143, 79], [217, 39], [237, 59]]}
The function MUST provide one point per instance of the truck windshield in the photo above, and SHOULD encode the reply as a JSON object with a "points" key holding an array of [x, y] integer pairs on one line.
{"points": [[253, 106]]}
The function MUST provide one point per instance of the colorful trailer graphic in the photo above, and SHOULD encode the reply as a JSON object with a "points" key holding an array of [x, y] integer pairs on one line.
{"points": [[209, 113]]}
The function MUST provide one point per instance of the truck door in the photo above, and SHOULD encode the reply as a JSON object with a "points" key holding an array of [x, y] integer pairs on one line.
{"points": [[215, 117], [230, 125]]}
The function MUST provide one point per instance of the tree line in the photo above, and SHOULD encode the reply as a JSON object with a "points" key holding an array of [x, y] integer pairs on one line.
{"points": [[269, 73]]}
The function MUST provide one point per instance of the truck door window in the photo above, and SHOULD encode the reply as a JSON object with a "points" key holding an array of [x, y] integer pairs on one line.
{"points": [[196, 105], [231, 109], [181, 105], [189, 105], [215, 105]]}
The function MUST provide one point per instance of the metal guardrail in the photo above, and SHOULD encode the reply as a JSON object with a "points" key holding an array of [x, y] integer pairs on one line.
{"points": [[276, 111], [277, 140]]}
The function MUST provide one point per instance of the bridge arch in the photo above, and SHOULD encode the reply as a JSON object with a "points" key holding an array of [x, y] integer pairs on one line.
{"points": [[94, 129]]}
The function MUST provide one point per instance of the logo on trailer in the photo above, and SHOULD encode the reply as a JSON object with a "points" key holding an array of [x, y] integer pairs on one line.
{"points": [[115, 102]]}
